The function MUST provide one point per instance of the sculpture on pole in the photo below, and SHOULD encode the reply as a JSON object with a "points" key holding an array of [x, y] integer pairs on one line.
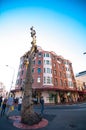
{"points": [[28, 116]]}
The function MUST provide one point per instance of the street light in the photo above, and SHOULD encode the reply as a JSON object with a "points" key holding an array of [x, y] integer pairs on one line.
{"points": [[84, 53], [12, 77]]}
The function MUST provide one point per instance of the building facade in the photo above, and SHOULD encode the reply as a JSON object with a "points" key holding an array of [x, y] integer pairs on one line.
{"points": [[2, 90], [81, 84], [53, 78]]}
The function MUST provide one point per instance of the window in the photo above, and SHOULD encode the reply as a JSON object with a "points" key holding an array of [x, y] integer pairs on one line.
{"points": [[54, 58], [17, 82], [60, 74], [39, 62], [32, 70], [39, 70], [47, 54], [70, 83], [44, 70], [51, 80], [38, 79], [20, 81], [55, 81], [55, 73], [61, 82], [39, 54], [47, 62], [64, 75], [65, 83], [68, 75], [67, 69], [22, 72], [20, 66], [48, 80], [48, 70], [62, 67], [32, 80], [44, 61], [54, 65], [44, 79], [44, 54]]}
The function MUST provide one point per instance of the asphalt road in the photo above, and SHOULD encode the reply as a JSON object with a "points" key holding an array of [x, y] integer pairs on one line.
{"points": [[60, 117]]}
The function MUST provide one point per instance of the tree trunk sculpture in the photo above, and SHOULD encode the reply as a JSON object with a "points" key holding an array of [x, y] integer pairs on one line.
{"points": [[28, 116]]}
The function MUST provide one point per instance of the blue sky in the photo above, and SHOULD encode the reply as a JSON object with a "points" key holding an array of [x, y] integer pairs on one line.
{"points": [[60, 26]]}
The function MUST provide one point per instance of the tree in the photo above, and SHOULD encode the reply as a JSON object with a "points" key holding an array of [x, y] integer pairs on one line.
{"points": [[28, 116]]}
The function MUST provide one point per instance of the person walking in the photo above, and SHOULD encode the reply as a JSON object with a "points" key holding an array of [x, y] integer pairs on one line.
{"points": [[19, 103], [42, 105], [3, 107], [0, 101], [9, 104]]}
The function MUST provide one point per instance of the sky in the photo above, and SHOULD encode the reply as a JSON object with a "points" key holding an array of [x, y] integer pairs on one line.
{"points": [[60, 27]]}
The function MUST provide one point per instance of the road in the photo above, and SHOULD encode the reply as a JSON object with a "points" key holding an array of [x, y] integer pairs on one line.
{"points": [[60, 117], [66, 117]]}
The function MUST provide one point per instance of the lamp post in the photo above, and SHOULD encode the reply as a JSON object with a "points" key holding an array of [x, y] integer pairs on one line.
{"points": [[84, 53], [12, 77]]}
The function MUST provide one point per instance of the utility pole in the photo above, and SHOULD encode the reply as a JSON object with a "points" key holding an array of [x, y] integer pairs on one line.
{"points": [[28, 116], [12, 78]]}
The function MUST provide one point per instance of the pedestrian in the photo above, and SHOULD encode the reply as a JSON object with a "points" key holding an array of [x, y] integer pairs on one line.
{"points": [[9, 104], [42, 104], [0, 100], [19, 103], [3, 107]]}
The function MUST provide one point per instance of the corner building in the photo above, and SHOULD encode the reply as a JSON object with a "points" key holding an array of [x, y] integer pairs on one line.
{"points": [[53, 78]]}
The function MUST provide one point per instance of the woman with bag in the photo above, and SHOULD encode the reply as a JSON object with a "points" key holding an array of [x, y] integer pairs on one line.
{"points": [[9, 105]]}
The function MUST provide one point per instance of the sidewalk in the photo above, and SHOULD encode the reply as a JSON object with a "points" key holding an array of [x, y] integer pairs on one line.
{"points": [[7, 124]]}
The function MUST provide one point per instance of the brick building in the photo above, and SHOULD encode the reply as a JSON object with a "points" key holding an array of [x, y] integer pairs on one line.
{"points": [[81, 84], [53, 78]]}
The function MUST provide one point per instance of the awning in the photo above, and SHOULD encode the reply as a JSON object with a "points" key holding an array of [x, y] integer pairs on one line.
{"points": [[44, 88]]}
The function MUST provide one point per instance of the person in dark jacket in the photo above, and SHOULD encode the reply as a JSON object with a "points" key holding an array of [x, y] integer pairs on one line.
{"points": [[3, 108], [42, 105], [0, 100]]}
